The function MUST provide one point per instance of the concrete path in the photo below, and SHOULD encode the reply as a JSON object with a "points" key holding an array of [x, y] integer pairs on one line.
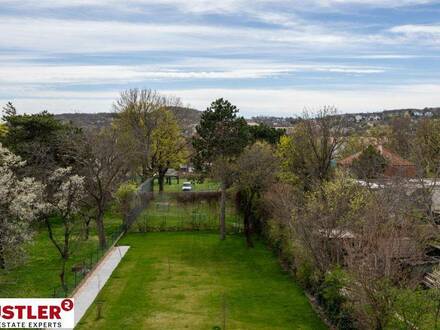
{"points": [[88, 291]]}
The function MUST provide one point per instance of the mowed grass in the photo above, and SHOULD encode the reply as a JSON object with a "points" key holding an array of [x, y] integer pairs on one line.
{"points": [[195, 281], [38, 274]]}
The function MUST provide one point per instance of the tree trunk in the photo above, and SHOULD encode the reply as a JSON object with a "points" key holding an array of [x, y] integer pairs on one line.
{"points": [[86, 229], [161, 179], [100, 229], [62, 275], [223, 211], [144, 173], [2, 257]]}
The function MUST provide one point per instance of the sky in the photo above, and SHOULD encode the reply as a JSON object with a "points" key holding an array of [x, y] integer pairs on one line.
{"points": [[268, 57]]}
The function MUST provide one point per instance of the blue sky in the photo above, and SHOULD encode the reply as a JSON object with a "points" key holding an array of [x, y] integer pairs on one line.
{"points": [[272, 57]]}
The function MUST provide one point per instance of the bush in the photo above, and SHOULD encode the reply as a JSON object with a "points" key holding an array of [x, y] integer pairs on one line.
{"points": [[331, 293], [190, 197], [124, 198]]}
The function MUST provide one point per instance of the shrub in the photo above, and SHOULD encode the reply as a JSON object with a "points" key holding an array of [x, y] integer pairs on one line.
{"points": [[331, 293], [124, 198], [190, 197]]}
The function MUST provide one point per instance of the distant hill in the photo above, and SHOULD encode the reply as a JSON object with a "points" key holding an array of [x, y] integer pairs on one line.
{"points": [[188, 118], [360, 119]]}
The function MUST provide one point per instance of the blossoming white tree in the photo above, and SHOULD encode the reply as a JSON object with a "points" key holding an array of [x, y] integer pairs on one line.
{"points": [[64, 194], [21, 201]]}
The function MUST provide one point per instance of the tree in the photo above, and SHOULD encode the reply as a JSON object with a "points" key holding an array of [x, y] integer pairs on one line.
{"points": [[103, 164], [168, 145], [64, 194], [220, 137], [307, 155], [401, 136], [352, 145], [9, 110], [370, 164], [426, 147], [256, 169], [135, 122], [37, 138], [326, 218], [262, 132], [21, 202], [3, 130]]}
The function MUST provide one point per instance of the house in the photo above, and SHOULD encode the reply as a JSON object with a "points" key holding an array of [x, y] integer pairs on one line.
{"points": [[397, 166], [358, 118]]}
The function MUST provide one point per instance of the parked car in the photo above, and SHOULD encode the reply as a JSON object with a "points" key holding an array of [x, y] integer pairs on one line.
{"points": [[187, 186]]}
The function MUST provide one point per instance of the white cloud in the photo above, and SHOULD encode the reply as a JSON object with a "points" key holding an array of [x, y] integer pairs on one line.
{"points": [[80, 36], [76, 36], [286, 102], [279, 102], [203, 6], [195, 69], [412, 29]]}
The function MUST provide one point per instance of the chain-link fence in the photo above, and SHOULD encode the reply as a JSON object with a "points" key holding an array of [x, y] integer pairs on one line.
{"points": [[80, 270], [186, 212]]}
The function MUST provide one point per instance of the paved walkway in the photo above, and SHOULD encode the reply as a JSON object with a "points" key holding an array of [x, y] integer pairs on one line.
{"points": [[88, 291]]}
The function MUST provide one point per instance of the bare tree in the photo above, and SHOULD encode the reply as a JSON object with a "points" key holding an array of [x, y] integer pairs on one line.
{"points": [[307, 155], [256, 169], [136, 120], [102, 162]]}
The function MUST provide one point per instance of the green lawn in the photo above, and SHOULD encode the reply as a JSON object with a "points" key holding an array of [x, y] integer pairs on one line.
{"points": [[195, 281], [38, 274], [167, 214], [207, 185]]}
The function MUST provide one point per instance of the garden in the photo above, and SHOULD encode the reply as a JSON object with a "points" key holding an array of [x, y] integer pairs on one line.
{"points": [[192, 280]]}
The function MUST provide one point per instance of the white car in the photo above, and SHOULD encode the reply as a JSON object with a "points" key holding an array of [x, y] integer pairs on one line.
{"points": [[187, 186]]}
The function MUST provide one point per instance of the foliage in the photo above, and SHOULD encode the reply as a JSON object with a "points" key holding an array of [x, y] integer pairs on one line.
{"points": [[124, 197], [64, 195], [416, 309], [189, 197], [103, 164], [370, 164], [21, 202], [135, 123], [327, 218], [3, 130], [37, 274], [402, 136], [255, 171], [332, 292], [220, 134], [353, 144], [168, 145], [37, 138], [262, 132], [221, 137], [427, 150], [307, 155], [9, 110]]}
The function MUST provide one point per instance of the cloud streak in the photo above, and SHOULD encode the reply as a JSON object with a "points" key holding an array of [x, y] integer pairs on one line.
{"points": [[251, 50]]}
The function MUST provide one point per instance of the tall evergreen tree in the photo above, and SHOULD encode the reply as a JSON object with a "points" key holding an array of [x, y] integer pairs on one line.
{"points": [[221, 137]]}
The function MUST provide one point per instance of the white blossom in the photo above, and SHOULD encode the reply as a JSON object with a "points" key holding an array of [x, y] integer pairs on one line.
{"points": [[21, 201]]}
